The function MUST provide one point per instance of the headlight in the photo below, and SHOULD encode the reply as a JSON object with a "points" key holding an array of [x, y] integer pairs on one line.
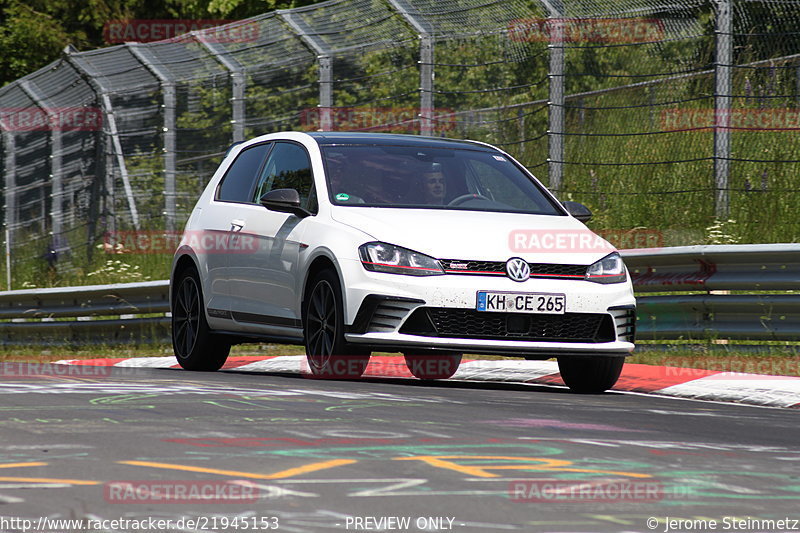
{"points": [[382, 257], [609, 269]]}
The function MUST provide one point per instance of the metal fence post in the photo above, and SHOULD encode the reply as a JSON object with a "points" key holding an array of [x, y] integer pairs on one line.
{"points": [[722, 104], [56, 186], [325, 93], [113, 145], [170, 102], [10, 189], [426, 110], [555, 129], [797, 83], [312, 40], [238, 83], [426, 67]]}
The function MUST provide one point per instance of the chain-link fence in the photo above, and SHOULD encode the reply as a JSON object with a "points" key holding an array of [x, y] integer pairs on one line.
{"points": [[674, 121]]}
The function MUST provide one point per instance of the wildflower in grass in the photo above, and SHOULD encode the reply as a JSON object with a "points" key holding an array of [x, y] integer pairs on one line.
{"points": [[722, 232]]}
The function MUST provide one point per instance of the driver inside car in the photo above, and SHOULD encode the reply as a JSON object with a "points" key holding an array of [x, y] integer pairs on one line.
{"points": [[434, 185]]}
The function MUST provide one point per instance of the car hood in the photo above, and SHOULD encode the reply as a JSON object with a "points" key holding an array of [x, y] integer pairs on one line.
{"points": [[479, 235]]}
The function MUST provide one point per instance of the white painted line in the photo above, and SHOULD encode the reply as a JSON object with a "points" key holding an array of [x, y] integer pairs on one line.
{"points": [[284, 363], [66, 362], [497, 370], [771, 391], [148, 362]]}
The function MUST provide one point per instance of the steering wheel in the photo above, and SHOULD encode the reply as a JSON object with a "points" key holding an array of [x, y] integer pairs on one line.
{"points": [[458, 200]]}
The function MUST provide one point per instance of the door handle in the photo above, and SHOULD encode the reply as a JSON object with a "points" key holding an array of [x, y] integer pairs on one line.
{"points": [[237, 225]]}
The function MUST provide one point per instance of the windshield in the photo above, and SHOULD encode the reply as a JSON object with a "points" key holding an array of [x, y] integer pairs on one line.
{"points": [[431, 178]]}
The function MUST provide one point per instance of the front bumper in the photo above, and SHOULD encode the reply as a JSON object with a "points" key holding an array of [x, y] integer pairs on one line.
{"points": [[394, 313], [399, 341]]}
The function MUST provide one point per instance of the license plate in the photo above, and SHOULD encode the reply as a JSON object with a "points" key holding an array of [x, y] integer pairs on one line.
{"points": [[521, 302]]}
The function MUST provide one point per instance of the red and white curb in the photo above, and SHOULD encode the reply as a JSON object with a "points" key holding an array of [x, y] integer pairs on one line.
{"points": [[754, 389]]}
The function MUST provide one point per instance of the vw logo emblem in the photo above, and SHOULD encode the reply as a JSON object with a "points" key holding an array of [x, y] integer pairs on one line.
{"points": [[518, 269]]}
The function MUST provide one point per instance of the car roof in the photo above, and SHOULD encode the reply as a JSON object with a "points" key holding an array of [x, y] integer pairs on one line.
{"points": [[329, 138]]}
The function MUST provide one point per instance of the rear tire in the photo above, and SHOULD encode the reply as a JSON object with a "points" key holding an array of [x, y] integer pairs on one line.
{"points": [[590, 375], [195, 347], [433, 366], [328, 354]]}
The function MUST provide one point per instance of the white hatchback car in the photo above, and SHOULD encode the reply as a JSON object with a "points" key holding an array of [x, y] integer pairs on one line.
{"points": [[351, 243]]}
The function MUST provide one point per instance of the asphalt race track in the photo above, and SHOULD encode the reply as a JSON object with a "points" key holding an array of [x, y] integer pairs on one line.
{"points": [[114, 448]]}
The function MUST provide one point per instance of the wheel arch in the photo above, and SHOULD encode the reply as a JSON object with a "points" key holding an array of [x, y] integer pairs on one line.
{"points": [[180, 263], [317, 265]]}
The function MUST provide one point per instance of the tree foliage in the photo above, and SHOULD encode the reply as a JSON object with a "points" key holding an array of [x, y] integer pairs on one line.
{"points": [[34, 32]]}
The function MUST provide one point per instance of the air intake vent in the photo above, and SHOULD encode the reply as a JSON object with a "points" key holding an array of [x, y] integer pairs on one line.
{"points": [[389, 314], [625, 322]]}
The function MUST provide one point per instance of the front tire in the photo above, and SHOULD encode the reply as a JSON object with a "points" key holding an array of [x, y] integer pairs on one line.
{"points": [[433, 366], [195, 347], [328, 354], [590, 375]]}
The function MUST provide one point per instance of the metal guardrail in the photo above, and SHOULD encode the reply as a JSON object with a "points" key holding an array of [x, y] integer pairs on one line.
{"points": [[716, 270], [697, 279], [122, 313]]}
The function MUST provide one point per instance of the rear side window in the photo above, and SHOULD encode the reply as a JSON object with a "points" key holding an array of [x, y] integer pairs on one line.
{"points": [[238, 180]]}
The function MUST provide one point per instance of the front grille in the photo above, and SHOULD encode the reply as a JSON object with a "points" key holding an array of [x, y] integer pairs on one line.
{"points": [[455, 266], [498, 268], [471, 324]]}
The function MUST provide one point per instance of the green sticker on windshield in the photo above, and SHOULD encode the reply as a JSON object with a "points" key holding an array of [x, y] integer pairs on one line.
{"points": [[342, 197]]}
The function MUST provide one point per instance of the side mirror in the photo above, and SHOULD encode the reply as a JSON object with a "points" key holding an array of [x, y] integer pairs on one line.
{"points": [[579, 211], [284, 201]]}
